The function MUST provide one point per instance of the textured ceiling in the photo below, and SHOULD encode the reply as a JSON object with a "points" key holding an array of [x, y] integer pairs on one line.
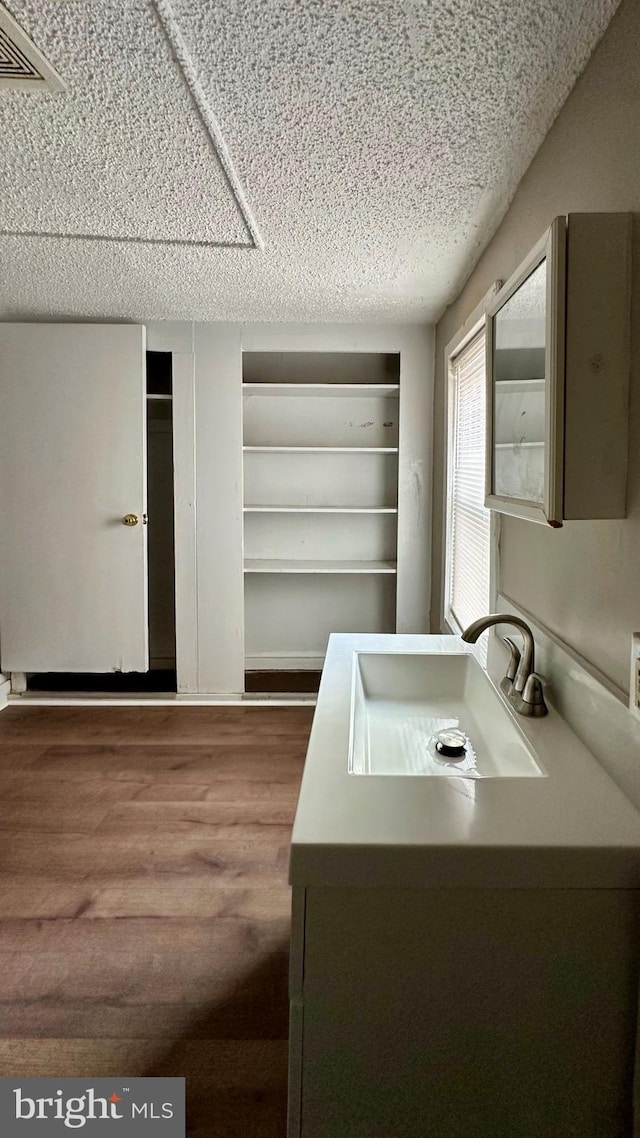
{"points": [[273, 159]]}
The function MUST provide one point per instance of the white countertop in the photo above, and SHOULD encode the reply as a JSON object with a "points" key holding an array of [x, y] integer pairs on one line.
{"points": [[572, 829]]}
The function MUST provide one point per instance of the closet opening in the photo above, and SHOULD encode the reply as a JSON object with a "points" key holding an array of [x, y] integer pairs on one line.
{"points": [[161, 676], [160, 505]]}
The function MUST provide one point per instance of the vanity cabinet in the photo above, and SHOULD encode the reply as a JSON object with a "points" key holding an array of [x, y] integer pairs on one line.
{"points": [[558, 359], [451, 1013], [464, 953]]}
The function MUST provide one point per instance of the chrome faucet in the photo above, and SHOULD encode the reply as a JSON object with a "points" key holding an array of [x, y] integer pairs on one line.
{"points": [[521, 685]]}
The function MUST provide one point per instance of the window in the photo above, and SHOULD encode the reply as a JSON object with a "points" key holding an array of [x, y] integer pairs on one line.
{"points": [[468, 535]]}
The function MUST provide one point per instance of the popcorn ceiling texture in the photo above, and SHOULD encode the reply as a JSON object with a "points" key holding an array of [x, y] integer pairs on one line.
{"points": [[124, 154], [375, 146]]}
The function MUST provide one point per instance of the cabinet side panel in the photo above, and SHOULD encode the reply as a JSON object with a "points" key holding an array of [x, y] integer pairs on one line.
{"points": [[459, 1012], [597, 365]]}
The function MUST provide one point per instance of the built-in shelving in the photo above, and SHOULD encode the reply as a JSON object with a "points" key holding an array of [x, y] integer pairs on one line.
{"points": [[320, 503]]}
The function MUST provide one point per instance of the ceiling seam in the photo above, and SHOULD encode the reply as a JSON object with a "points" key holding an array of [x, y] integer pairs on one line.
{"points": [[183, 58], [181, 242]]}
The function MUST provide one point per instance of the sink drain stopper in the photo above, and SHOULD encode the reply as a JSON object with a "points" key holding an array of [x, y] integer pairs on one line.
{"points": [[451, 744]]}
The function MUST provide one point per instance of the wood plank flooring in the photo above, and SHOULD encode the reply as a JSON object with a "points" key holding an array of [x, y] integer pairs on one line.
{"points": [[144, 906]]}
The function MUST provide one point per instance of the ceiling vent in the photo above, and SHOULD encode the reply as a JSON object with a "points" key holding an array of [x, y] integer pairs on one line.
{"points": [[22, 66]]}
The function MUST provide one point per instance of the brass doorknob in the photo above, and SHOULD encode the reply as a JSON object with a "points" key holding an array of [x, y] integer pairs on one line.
{"points": [[130, 520]]}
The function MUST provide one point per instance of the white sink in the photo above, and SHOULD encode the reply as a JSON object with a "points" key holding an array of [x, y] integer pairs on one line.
{"points": [[400, 701]]}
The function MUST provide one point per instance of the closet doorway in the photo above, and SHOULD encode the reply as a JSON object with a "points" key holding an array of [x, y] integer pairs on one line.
{"points": [[161, 537]]}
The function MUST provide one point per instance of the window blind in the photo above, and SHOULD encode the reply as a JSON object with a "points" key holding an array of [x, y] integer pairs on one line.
{"points": [[468, 530]]}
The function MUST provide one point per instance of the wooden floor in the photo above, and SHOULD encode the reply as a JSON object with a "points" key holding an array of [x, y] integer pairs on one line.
{"points": [[144, 910]]}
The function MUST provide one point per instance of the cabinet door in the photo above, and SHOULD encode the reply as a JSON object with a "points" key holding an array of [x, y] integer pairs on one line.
{"points": [[525, 373], [73, 577]]}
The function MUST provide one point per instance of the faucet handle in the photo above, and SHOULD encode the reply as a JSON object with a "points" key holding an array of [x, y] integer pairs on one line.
{"points": [[533, 696], [514, 659]]}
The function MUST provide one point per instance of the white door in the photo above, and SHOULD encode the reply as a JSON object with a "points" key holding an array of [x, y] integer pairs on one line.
{"points": [[73, 577]]}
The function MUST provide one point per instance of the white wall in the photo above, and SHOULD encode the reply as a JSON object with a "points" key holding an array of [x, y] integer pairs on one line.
{"points": [[583, 581]]}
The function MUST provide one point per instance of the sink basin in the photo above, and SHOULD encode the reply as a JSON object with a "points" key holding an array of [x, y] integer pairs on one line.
{"points": [[401, 701]]}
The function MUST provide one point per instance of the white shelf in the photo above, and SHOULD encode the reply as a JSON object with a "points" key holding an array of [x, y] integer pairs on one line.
{"points": [[517, 446], [519, 386], [320, 510], [151, 395], [300, 566], [319, 450], [384, 390]]}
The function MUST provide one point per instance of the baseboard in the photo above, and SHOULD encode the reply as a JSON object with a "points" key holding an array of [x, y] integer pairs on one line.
{"points": [[5, 688], [190, 699]]}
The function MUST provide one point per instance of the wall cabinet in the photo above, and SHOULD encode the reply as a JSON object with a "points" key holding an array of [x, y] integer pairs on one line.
{"points": [[558, 357]]}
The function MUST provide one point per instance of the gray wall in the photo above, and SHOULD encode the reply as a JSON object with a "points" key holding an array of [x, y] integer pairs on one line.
{"points": [[582, 581]]}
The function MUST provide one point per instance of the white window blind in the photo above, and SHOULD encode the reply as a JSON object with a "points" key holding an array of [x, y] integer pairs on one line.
{"points": [[469, 523]]}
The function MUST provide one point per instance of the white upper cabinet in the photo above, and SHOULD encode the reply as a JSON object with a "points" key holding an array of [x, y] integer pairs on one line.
{"points": [[558, 375], [73, 583]]}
